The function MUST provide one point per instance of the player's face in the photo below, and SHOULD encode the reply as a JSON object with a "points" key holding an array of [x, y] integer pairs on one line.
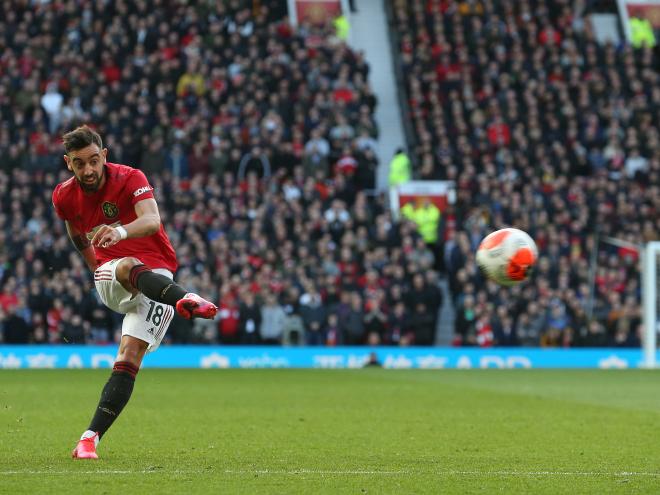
{"points": [[88, 166]]}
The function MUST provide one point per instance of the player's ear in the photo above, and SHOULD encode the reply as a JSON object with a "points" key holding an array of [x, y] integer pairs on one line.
{"points": [[105, 154], [68, 163]]}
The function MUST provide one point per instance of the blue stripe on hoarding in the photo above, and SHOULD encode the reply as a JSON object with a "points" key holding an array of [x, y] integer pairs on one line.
{"points": [[71, 356]]}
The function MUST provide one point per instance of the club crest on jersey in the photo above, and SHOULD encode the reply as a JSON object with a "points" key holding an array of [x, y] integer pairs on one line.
{"points": [[110, 210]]}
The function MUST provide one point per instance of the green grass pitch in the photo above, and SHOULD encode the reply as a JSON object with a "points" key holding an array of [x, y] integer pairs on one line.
{"points": [[330, 431]]}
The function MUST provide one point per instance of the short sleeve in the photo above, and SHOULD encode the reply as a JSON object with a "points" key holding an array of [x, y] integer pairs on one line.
{"points": [[138, 187], [56, 202]]}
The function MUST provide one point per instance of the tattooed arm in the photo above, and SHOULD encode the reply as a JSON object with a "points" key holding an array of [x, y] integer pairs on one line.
{"points": [[83, 245]]}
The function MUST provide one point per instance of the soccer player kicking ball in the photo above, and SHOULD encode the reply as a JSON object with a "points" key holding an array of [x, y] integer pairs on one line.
{"points": [[112, 218]]}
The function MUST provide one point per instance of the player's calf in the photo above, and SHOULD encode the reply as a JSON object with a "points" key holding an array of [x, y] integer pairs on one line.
{"points": [[162, 289], [115, 396]]}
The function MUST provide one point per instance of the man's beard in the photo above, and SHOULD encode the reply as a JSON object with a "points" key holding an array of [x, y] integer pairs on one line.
{"points": [[91, 186]]}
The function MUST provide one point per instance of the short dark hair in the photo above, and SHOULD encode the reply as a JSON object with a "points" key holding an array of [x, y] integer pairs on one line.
{"points": [[80, 138]]}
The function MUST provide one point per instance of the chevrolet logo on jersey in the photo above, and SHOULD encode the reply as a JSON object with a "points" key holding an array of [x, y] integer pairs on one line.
{"points": [[110, 210]]}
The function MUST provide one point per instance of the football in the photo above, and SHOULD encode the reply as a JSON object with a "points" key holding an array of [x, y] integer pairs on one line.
{"points": [[506, 256]]}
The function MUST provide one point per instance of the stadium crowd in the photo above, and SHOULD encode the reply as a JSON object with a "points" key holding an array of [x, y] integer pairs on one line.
{"points": [[541, 128], [259, 141]]}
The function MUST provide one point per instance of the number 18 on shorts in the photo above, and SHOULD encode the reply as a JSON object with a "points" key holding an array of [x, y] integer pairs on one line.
{"points": [[145, 319]]}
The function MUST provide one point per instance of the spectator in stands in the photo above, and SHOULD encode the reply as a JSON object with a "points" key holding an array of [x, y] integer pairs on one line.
{"points": [[73, 328], [39, 331], [249, 322], [228, 325], [273, 318], [427, 218], [15, 330], [398, 325], [313, 315], [353, 321], [375, 318], [421, 322], [400, 171], [333, 333]]}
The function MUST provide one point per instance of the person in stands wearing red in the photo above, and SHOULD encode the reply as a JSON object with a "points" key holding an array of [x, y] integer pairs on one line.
{"points": [[112, 219]]}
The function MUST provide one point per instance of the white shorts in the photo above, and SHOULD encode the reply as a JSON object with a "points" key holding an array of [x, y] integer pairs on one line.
{"points": [[145, 319]]}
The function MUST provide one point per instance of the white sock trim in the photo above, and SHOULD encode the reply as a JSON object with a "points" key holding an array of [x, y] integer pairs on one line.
{"points": [[90, 433]]}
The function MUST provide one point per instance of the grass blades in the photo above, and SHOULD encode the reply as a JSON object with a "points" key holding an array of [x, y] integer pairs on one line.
{"points": [[337, 431]]}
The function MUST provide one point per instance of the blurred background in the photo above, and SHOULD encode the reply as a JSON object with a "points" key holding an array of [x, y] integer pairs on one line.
{"points": [[326, 169]]}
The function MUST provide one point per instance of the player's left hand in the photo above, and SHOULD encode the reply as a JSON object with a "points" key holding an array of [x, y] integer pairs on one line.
{"points": [[106, 236]]}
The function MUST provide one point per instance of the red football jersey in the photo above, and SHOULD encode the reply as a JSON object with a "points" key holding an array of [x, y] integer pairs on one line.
{"points": [[114, 204]]}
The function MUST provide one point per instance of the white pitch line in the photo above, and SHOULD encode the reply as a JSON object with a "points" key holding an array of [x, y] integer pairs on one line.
{"points": [[548, 473], [449, 473], [74, 472], [314, 471], [349, 472]]}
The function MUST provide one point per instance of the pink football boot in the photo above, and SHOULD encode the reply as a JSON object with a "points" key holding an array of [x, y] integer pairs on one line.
{"points": [[86, 449], [193, 306]]}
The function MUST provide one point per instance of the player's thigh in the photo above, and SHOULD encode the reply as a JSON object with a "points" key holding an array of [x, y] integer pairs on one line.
{"points": [[145, 319], [111, 292]]}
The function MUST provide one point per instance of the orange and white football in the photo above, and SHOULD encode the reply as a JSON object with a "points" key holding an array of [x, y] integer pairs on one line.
{"points": [[506, 256]]}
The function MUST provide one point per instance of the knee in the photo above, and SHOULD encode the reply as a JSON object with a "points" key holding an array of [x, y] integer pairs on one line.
{"points": [[123, 269], [133, 352]]}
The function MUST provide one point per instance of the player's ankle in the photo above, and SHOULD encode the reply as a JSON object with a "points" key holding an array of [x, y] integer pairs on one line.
{"points": [[91, 434]]}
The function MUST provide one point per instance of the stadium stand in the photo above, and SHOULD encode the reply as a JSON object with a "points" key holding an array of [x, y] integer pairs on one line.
{"points": [[544, 129], [256, 135], [258, 140]]}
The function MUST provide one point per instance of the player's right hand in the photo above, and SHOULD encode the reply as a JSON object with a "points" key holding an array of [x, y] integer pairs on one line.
{"points": [[106, 236]]}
